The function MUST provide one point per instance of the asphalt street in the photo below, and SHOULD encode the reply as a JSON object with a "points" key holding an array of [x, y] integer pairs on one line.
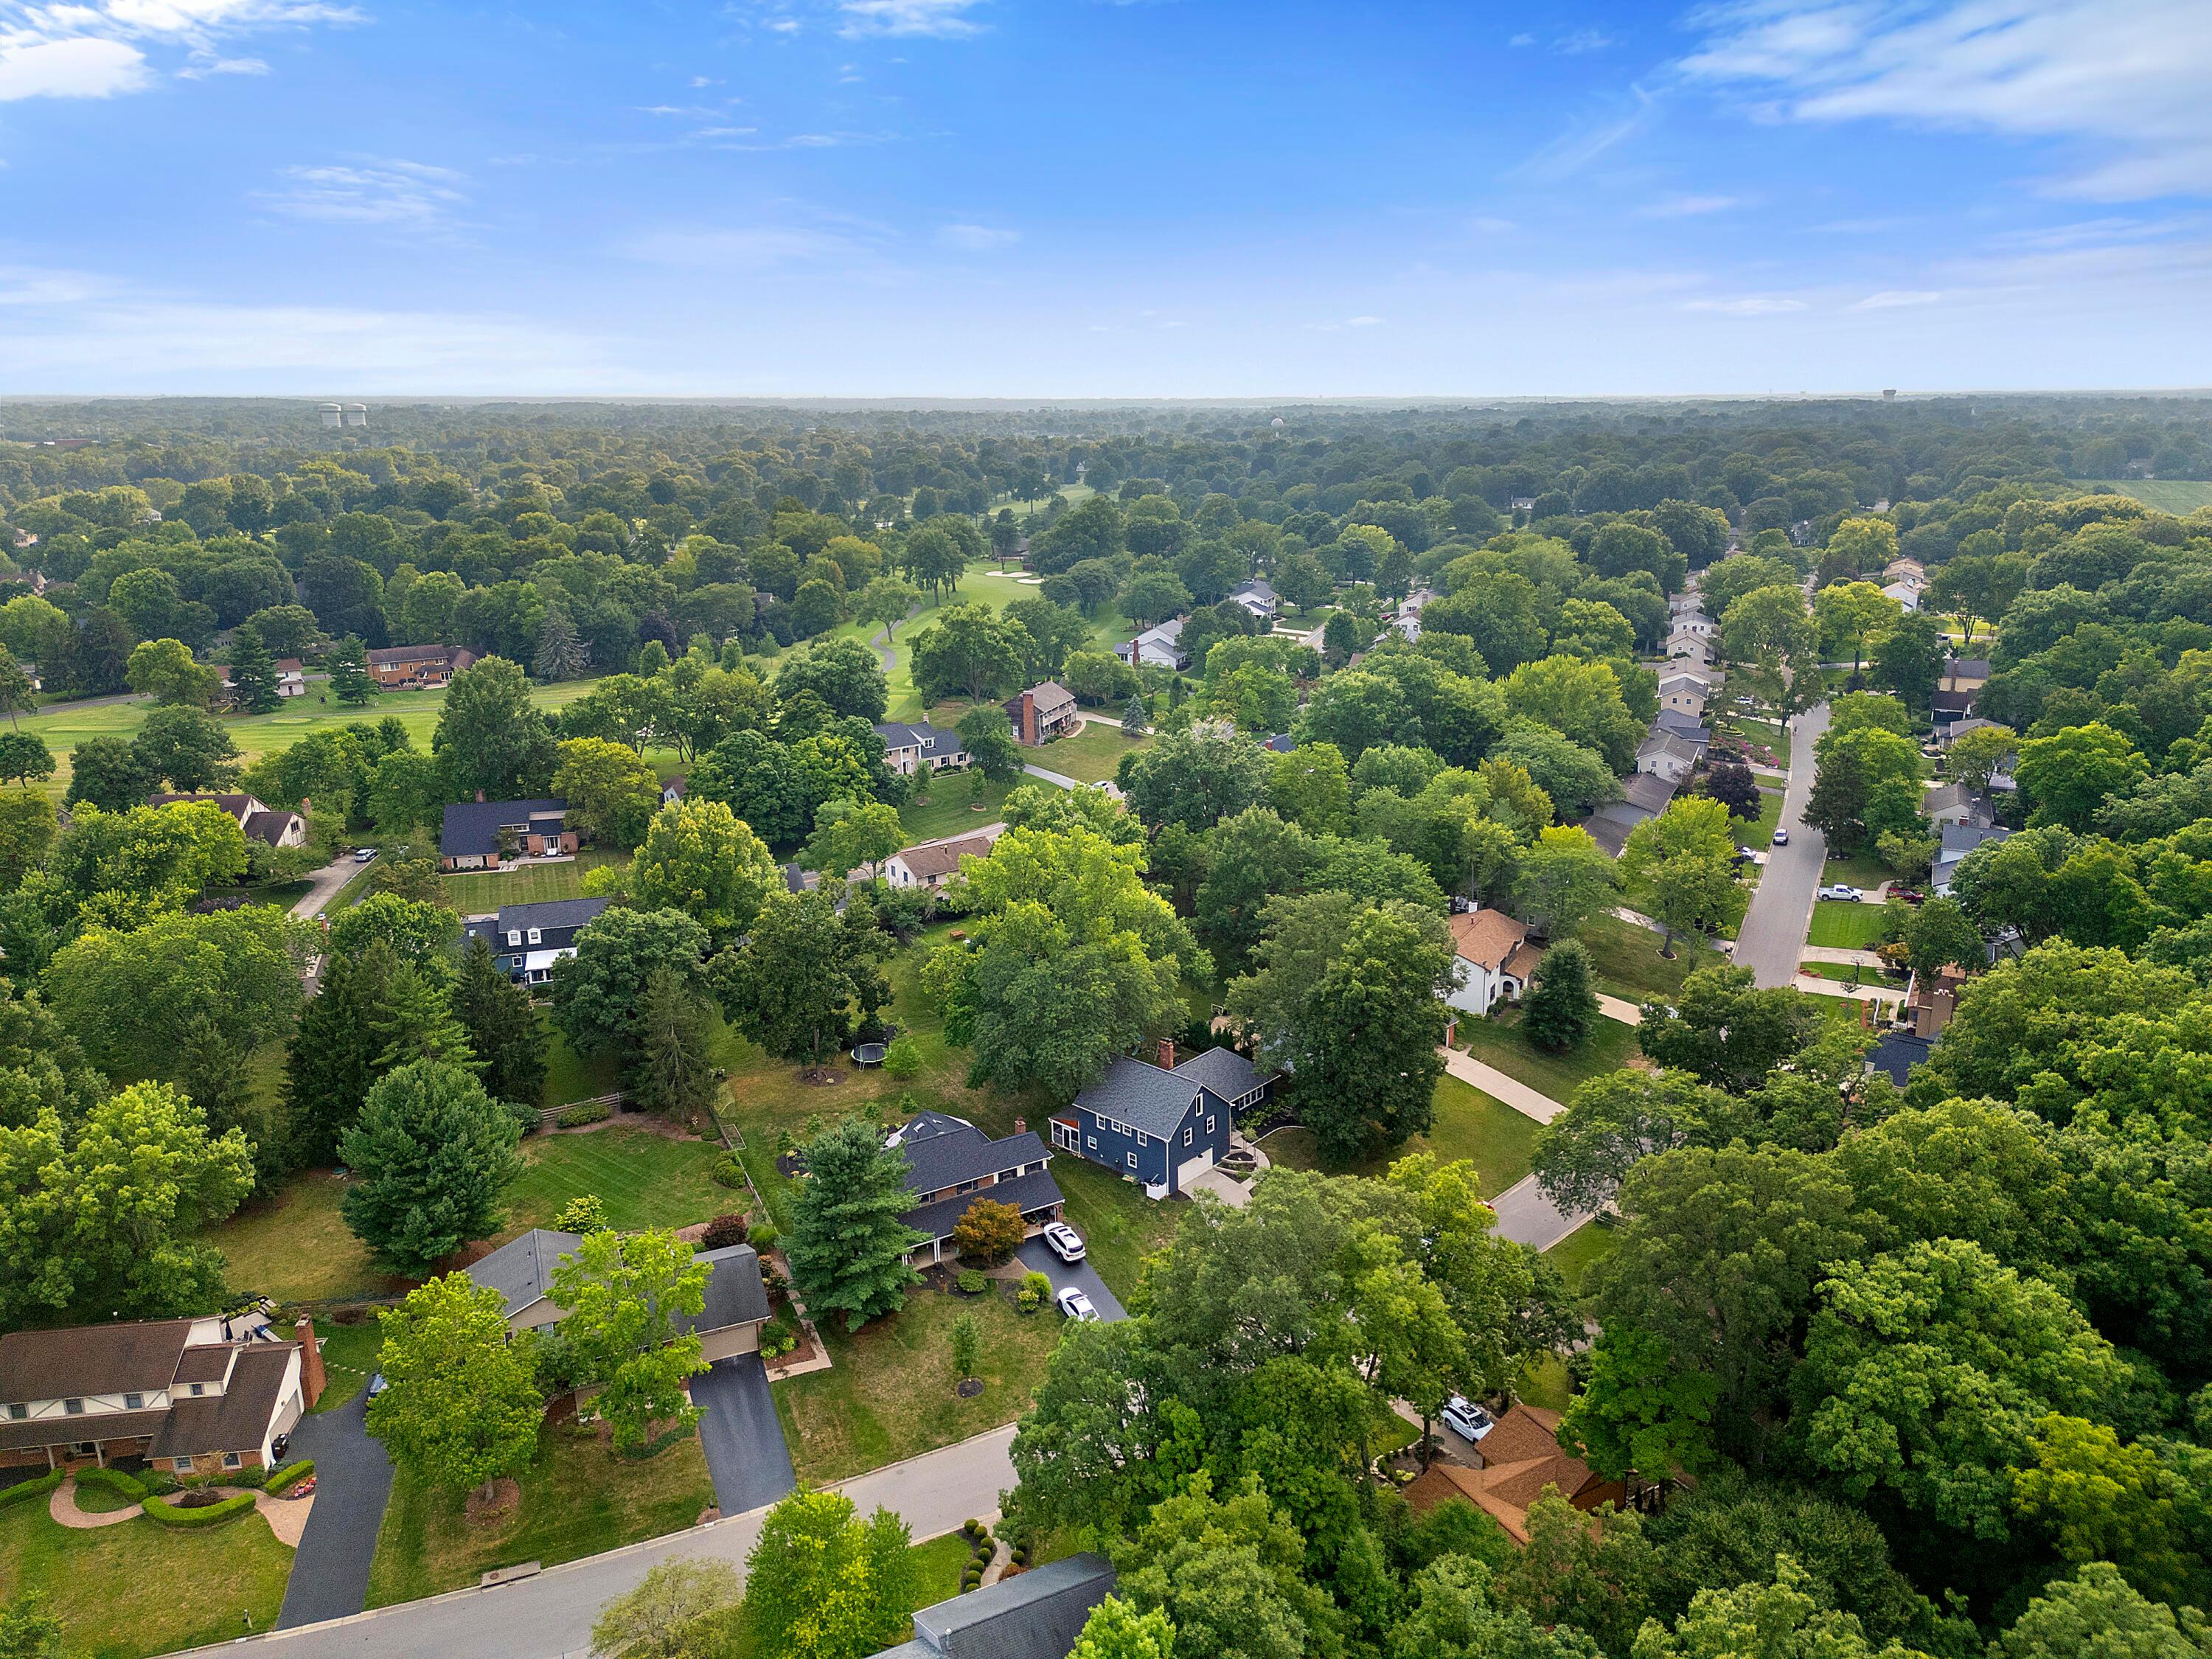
{"points": [[1772, 940]]}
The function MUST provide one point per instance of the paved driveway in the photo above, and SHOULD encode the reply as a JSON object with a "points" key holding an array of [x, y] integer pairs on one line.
{"points": [[1527, 1217], [353, 1480], [1772, 936], [739, 1432], [1037, 1254]]}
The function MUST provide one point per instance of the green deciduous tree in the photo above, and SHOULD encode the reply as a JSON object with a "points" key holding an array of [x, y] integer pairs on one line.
{"points": [[821, 1583], [188, 748], [851, 835], [671, 1613], [701, 859], [491, 737], [2069, 776], [1638, 1413], [848, 1244], [461, 1407], [2097, 1612], [1116, 1630], [433, 1153], [1562, 1011], [628, 1298], [598, 993], [1228, 1574], [166, 669], [1195, 778], [612, 793], [804, 974], [108, 772], [1563, 879]]}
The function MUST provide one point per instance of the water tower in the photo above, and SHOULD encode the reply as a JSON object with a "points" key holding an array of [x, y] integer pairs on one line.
{"points": [[1889, 391], [332, 414], [356, 414]]}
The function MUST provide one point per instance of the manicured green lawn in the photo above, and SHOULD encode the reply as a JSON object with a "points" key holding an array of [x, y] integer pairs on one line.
{"points": [[292, 1244], [1846, 927], [141, 1588], [1499, 1141], [2179, 496], [1767, 734], [570, 1077], [1859, 870], [645, 1178], [350, 1357], [1546, 1382], [938, 1565], [1581, 1249], [1501, 1043], [578, 1499], [1759, 834], [66, 726], [1120, 1225], [1628, 963], [890, 1393], [1845, 973], [1090, 753], [952, 809], [531, 883]]}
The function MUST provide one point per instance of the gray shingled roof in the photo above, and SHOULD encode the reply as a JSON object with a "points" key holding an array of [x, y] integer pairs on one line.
{"points": [[1037, 1614], [1143, 1097], [1225, 1072], [236, 1420], [1025, 1193], [966, 1153], [735, 1295], [473, 826], [521, 1270]]}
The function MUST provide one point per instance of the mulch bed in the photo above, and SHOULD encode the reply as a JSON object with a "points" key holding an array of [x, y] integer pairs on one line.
{"points": [[505, 1498], [819, 1076], [969, 1386]]}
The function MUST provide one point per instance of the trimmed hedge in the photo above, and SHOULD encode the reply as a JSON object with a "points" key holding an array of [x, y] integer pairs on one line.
{"points": [[584, 1112], [114, 1480], [290, 1475], [23, 1490], [170, 1515]]}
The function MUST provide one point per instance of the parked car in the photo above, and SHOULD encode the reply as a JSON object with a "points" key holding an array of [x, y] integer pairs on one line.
{"points": [[1465, 1419], [1064, 1242], [1076, 1305], [1840, 891], [364, 854], [1782, 838], [1909, 894], [377, 1385]]}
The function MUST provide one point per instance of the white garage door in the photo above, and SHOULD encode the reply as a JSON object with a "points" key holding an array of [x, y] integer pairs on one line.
{"points": [[1191, 1168]]}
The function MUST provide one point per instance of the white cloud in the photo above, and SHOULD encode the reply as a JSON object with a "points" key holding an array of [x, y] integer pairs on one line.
{"points": [[1523, 40], [1572, 151], [1488, 225], [98, 48], [2124, 83], [1892, 298], [372, 191], [758, 247], [1582, 40], [1687, 207], [944, 18], [1748, 304], [79, 68], [976, 238], [1363, 322]]}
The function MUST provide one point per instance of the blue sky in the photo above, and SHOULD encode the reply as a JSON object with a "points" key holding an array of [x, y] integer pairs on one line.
{"points": [[1069, 197]]}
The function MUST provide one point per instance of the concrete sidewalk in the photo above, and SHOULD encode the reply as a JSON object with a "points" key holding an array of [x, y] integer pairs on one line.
{"points": [[1613, 1008], [1494, 1083]]}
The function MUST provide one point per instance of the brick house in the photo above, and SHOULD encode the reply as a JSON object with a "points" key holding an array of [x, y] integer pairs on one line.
{"points": [[484, 835], [412, 667]]}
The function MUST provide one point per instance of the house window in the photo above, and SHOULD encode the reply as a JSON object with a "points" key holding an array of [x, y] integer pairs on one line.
{"points": [[181, 1465], [231, 1461], [1094, 1143], [536, 936], [199, 1389], [1186, 1137], [1133, 1160], [73, 1407], [85, 1448], [1141, 1141], [134, 1403], [17, 1413], [514, 936], [1209, 1123]]}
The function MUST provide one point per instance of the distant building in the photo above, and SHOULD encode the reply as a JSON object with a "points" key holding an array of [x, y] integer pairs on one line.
{"points": [[527, 939], [912, 746], [934, 863], [412, 667], [1257, 596], [1665, 755], [1958, 840], [273, 826], [1037, 1614], [1043, 713], [1157, 647], [333, 415]]}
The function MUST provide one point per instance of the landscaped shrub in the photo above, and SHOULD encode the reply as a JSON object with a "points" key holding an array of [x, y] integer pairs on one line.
{"points": [[727, 1171], [763, 1235], [723, 1232], [972, 1281], [988, 1231], [583, 1112], [903, 1059], [779, 1336], [210, 1514], [24, 1491], [584, 1214], [288, 1477], [114, 1480]]}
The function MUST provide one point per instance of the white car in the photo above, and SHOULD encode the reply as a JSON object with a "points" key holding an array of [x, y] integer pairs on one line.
{"points": [[1465, 1419], [377, 1385], [1849, 895], [1064, 1242], [365, 855], [1076, 1305]]}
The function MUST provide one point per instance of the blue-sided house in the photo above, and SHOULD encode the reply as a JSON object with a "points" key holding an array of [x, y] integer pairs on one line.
{"points": [[527, 939], [1163, 1125]]}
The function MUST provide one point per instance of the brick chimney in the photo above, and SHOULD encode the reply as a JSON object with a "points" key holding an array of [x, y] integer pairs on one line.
{"points": [[480, 798], [1021, 1125], [304, 805], [1167, 1053], [311, 1361]]}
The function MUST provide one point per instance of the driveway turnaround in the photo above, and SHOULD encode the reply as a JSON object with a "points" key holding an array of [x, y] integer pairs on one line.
{"points": [[550, 1615], [353, 1480], [1038, 1254], [739, 1432], [1527, 1217], [1772, 936]]}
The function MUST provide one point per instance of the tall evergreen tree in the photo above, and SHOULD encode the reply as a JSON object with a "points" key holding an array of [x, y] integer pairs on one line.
{"points": [[332, 1060], [560, 655], [1133, 717], [671, 1071], [1562, 1011], [434, 1153], [350, 675], [252, 672], [848, 1244], [503, 1028]]}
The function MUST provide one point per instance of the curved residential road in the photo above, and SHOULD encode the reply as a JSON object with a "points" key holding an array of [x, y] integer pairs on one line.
{"points": [[550, 1616], [1773, 937]]}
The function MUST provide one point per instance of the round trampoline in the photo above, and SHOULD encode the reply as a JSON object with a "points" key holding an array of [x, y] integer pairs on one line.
{"points": [[868, 1053]]}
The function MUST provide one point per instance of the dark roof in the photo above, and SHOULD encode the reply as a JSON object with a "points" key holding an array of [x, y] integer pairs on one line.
{"points": [[1038, 1614], [1898, 1053], [1141, 1095], [946, 1158], [1648, 791], [473, 826], [922, 1125], [521, 1270], [942, 858], [735, 1295], [1283, 743], [1609, 826], [550, 914], [392, 656], [138, 1357], [1225, 1072], [796, 880], [1032, 1191], [236, 1420], [1954, 703], [1679, 725], [263, 823], [934, 741], [208, 1363], [1959, 839], [63, 1431], [1973, 668]]}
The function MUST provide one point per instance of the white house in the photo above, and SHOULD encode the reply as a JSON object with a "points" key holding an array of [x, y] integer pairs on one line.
{"points": [[933, 864], [911, 746], [1492, 958], [1906, 593], [1157, 647], [1669, 755], [1684, 691], [1257, 596]]}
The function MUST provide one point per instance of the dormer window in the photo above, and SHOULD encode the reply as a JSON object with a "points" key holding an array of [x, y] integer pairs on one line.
{"points": [[134, 1403], [536, 936], [514, 936]]}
